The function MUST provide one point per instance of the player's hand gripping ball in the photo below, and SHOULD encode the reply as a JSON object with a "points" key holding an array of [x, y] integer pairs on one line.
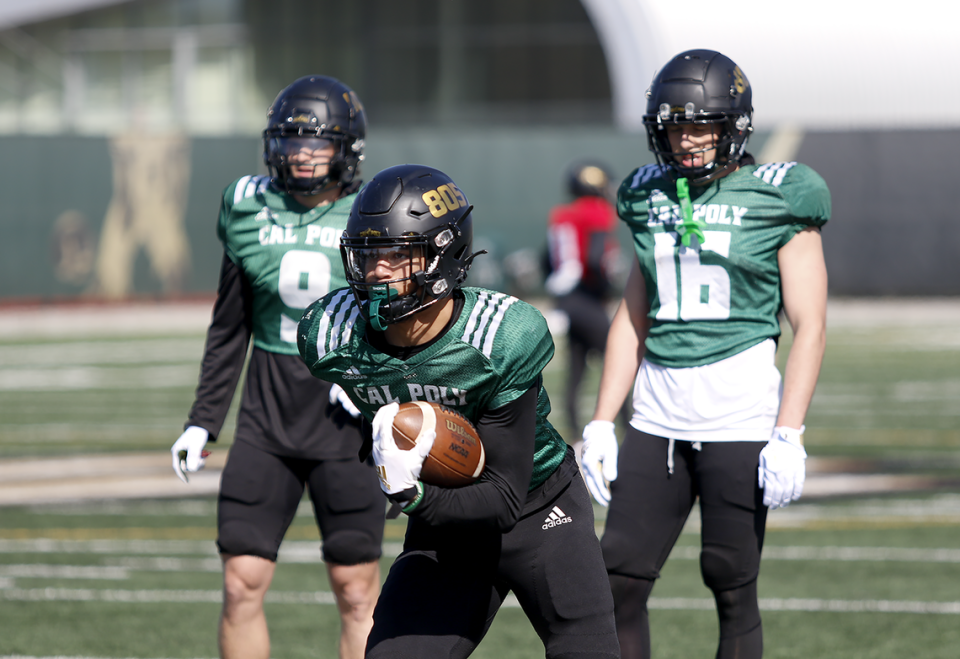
{"points": [[457, 457]]}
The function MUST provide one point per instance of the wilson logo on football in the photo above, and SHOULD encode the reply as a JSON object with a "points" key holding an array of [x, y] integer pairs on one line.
{"points": [[556, 518], [459, 431]]}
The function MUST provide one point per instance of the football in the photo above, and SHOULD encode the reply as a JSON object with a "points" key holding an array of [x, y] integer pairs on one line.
{"points": [[457, 457]]}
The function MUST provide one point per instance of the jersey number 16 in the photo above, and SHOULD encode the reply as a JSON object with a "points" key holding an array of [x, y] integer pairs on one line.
{"points": [[686, 288]]}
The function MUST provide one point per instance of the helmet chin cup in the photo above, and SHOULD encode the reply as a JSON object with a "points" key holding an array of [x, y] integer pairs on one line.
{"points": [[379, 294]]}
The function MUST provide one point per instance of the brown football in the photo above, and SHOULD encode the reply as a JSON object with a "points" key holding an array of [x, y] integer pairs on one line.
{"points": [[457, 457]]}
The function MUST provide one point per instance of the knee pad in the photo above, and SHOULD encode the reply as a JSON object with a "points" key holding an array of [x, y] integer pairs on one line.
{"points": [[350, 547], [620, 556], [724, 567], [243, 539]]}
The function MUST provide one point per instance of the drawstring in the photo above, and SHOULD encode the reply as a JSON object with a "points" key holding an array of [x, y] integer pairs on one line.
{"points": [[671, 445]]}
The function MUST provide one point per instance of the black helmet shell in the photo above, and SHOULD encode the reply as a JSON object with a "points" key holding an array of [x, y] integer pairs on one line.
{"points": [[411, 205], [702, 87]]}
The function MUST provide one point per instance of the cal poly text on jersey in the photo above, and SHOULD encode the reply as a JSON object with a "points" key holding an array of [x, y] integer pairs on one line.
{"points": [[272, 234], [430, 393], [707, 213]]}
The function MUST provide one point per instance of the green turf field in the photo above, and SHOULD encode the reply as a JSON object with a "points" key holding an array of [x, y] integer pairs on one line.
{"points": [[872, 575]]}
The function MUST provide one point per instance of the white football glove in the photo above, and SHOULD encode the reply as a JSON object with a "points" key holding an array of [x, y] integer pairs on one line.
{"points": [[398, 470], [782, 467], [599, 458], [188, 453], [338, 395]]}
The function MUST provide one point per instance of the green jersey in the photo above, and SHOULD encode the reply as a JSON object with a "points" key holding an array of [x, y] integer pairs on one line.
{"points": [[491, 356], [290, 254], [711, 301]]}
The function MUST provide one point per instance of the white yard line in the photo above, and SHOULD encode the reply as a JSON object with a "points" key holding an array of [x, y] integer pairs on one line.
{"points": [[308, 552], [325, 597], [80, 320]]}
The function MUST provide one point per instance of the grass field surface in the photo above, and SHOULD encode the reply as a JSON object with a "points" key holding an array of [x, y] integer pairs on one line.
{"points": [[873, 573]]}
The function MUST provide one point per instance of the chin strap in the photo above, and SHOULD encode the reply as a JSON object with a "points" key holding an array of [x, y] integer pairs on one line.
{"points": [[381, 293], [689, 227]]}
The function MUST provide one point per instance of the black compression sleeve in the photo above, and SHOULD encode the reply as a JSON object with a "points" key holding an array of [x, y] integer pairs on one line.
{"points": [[497, 499], [226, 348]]}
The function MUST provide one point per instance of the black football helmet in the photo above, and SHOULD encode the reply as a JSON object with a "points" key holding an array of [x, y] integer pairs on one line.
{"points": [[413, 210], [700, 87], [315, 108], [589, 178]]}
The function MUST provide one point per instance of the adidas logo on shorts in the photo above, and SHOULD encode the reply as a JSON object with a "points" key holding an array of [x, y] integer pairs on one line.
{"points": [[556, 518]]}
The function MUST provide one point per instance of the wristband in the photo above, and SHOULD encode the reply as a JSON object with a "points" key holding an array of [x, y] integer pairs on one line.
{"points": [[416, 500]]}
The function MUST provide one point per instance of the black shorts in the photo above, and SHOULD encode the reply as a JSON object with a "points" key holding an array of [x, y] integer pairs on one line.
{"points": [[649, 506], [260, 493], [444, 590]]}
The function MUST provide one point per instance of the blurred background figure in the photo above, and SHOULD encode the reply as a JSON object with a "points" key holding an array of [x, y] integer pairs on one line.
{"points": [[582, 255]]}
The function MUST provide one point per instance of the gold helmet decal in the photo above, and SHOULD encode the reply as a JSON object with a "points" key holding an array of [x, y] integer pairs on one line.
{"points": [[739, 80], [353, 101], [370, 233]]}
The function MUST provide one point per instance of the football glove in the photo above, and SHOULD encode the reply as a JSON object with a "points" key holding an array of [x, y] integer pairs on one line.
{"points": [[599, 458], [398, 470], [338, 395], [782, 467], [188, 453]]}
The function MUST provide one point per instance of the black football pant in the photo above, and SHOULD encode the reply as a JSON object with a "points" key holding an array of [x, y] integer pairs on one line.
{"points": [[588, 329], [443, 591], [648, 510]]}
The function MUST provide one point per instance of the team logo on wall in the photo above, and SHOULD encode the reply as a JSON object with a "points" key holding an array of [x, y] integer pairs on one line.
{"points": [[151, 176]]}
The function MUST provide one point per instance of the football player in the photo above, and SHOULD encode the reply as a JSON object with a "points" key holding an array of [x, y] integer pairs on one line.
{"points": [[280, 237], [406, 329], [583, 252], [723, 246]]}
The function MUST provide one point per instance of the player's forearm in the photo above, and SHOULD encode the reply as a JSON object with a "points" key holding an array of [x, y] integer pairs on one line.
{"points": [[801, 373], [497, 499], [803, 281], [491, 502], [228, 338]]}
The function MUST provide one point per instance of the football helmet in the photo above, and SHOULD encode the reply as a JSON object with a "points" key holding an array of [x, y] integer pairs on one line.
{"points": [[310, 113], [700, 87], [413, 213], [588, 178]]}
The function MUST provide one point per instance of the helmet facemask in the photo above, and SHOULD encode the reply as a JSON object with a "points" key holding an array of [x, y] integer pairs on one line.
{"points": [[730, 144], [282, 144]]}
